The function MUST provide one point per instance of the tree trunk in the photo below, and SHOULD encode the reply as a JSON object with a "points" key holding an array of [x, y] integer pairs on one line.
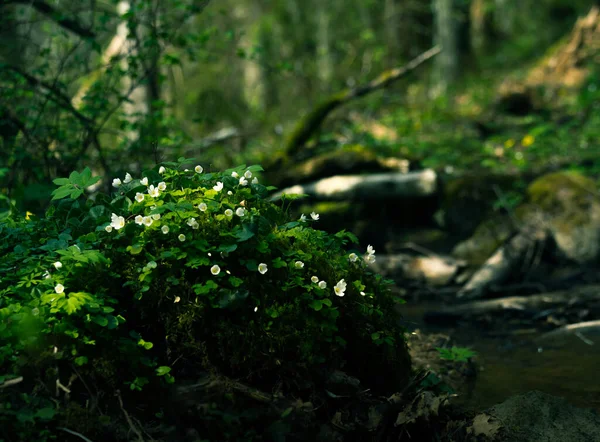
{"points": [[446, 64]]}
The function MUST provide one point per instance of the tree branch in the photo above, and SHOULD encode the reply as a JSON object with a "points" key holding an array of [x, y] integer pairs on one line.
{"points": [[308, 125], [55, 15]]}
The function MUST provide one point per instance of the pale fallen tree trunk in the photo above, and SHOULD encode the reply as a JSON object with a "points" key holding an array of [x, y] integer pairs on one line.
{"points": [[433, 270], [375, 186], [499, 266], [588, 327], [531, 304]]}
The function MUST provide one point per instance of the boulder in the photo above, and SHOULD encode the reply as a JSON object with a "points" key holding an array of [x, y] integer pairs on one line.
{"points": [[536, 417]]}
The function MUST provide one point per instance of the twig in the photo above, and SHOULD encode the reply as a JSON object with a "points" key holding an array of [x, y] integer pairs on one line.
{"points": [[75, 433], [129, 421], [12, 382]]}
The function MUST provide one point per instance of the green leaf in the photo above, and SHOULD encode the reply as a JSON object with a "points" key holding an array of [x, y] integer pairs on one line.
{"points": [[316, 304], [146, 345], [235, 282], [62, 192], [163, 370], [81, 360], [327, 302], [287, 412], [45, 413], [75, 177], [100, 320], [61, 181], [375, 336], [278, 263]]}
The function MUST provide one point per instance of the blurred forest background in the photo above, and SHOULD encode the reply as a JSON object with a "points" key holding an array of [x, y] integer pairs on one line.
{"points": [[121, 85]]}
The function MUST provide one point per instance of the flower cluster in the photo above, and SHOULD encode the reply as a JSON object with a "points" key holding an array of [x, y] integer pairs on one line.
{"points": [[118, 222]]}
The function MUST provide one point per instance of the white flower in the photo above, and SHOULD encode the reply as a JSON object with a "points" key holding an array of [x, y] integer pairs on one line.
{"points": [[363, 293], [353, 257], [243, 181], [215, 270], [255, 309], [248, 174], [147, 221], [153, 191], [198, 169], [139, 197], [314, 216], [202, 207], [302, 218], [162, 186], [370, 250], [314, 279], [57, 265], [229, 192], [228, 212], [139, 220], [161, 169], [235, 174], [128, 178], [240, 211], [219, 186], [116, 182], [262, 268], [108, 229], [322, 285], [193, 223], [117, 221], [177, 299], [340, 288], [186, 170], [144, 181], [156, 216], [369, 259], [254, 180], [59, 288], [181, 237], [46, 275], [299, 264], [165, 229]]}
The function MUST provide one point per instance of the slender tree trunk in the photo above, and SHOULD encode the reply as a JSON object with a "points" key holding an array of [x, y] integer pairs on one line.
{"points": [[446, 64]]}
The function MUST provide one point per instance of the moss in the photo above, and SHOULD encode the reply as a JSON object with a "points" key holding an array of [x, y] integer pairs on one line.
{"points": [[486, 239], [468, 200], [352, 159]]}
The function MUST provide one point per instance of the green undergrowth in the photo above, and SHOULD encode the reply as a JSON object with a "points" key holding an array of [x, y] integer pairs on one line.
{"points": [[108, 302]]}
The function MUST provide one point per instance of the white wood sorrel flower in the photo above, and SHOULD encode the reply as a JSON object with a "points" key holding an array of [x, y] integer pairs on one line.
{"points": [[219, 186], [340, 288], [262, 268], [198, 169], [215, 270], [144, 181], [59, 288], [139, 197], [202, 207], [314, 279], [128, 178], [299, 264], [117, 222], [314, 216], [116, 182]]}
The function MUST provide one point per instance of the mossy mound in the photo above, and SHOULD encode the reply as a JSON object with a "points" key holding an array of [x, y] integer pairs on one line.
{"points": [[566, 203], [181, 276], [469, 199], [487, 238]]}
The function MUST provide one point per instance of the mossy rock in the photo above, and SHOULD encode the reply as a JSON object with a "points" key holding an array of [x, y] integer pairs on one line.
{"points": [[347, 160], [469, 199], [488, 237], [567, 203]]}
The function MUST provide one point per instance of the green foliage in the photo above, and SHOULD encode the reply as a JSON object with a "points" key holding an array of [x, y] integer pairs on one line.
{"points": [[459, 354], [175, 272]]}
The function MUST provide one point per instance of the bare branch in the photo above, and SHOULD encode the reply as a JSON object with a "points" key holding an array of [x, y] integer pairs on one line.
{"points": [[55, 15]]}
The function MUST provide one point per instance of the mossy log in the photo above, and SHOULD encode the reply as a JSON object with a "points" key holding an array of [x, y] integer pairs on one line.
{"points": [[311, 122], [376, 186]]}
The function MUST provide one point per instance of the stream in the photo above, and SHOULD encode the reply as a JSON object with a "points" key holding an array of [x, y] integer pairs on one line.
{"points": [[513, 365]]}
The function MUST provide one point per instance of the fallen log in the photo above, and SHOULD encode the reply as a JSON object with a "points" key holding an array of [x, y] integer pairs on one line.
{"points": [[433, 270], [531, 304], [578, 329], [499, 266], [423, 183]]}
